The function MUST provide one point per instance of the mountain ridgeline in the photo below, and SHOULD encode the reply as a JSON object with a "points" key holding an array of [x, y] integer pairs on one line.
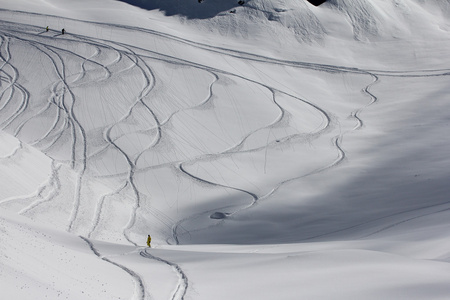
{"points": [[355, 19]]}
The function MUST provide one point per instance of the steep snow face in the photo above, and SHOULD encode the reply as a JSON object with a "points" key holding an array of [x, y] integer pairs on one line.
{"points": [[126, 117], [368, 20]]}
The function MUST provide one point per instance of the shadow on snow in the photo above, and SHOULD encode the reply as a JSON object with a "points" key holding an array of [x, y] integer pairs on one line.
{"points": [[192, 9]]}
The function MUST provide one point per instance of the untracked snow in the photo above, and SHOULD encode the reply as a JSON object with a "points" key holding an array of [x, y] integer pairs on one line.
{"points": [[273, 150]]}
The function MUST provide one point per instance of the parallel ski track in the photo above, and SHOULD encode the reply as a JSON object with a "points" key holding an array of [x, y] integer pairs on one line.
{"points": [[183, 282], [12, 85], [244, 56], [139, 292], [70, 120], [65, 110], [70, 117], [75, 124], [149, 82], [76, 129], [148, 86]]}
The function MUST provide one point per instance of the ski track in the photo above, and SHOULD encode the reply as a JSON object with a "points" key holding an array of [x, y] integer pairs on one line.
{"points": [[139, 292], [149, 81], [183, 283], [74, 124], [44, 193], [62, 99], [373, 98], [53, 185], [223, 51], [402, 222], [70, 117], [13, 85], [99, 208], [384, 218], [13, 152]]}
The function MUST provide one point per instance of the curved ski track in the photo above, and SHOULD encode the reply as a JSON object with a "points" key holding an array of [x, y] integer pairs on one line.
{"points": [[139, 292], [183, 283], [62, 101]]}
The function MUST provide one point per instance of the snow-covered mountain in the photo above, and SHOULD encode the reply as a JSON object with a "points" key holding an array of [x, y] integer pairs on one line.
{"points": [[273, 149]]}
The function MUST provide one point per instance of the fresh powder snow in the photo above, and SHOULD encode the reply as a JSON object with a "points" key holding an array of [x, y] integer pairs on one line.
{"points": [[272, 149]]}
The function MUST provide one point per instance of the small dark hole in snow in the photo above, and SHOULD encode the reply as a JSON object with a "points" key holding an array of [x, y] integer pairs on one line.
{"points": [[218, 215], [316, 2]]}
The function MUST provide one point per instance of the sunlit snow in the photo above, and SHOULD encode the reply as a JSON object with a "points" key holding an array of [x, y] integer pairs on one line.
{"points": [[272, 149]]}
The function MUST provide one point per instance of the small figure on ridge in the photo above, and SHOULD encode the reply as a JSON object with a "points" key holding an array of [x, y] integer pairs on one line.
{"points": [[149, 240]]}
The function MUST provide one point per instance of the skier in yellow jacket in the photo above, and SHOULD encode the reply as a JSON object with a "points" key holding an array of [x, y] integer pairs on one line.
{"points": [[149, 240]]}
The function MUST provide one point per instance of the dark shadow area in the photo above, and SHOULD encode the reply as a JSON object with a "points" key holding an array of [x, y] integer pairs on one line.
{"points": [[317, 2], [192, 9]]}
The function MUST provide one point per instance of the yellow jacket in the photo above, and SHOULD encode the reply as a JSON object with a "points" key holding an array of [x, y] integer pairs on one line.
{"points": [[149, 240]]}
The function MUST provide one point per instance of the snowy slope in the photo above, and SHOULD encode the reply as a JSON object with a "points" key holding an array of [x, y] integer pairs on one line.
{"points": [[280, 151]]}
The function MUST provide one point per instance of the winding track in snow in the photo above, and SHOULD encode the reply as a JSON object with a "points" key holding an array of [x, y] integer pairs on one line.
{"points": [[139, 291], [337, 141], [68, 107], [418, 213], [183, 282], [48, 191], [70, 120], [12, 85]]}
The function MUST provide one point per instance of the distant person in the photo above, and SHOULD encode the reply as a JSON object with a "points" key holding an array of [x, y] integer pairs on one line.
{"points": [[63, 31], [46, 29], [149, 240]]}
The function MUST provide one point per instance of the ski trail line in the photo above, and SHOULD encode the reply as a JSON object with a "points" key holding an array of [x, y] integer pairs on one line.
{"points": [[366, 90], [183, 282], [53, 184], [384, 218], [139, 291], [99, 208], [75, 125], [149, 81], [12, 84], [181, 168], [404, 221]]}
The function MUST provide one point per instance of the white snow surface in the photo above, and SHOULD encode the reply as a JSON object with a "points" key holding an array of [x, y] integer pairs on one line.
{"points": [[274, 150]]}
